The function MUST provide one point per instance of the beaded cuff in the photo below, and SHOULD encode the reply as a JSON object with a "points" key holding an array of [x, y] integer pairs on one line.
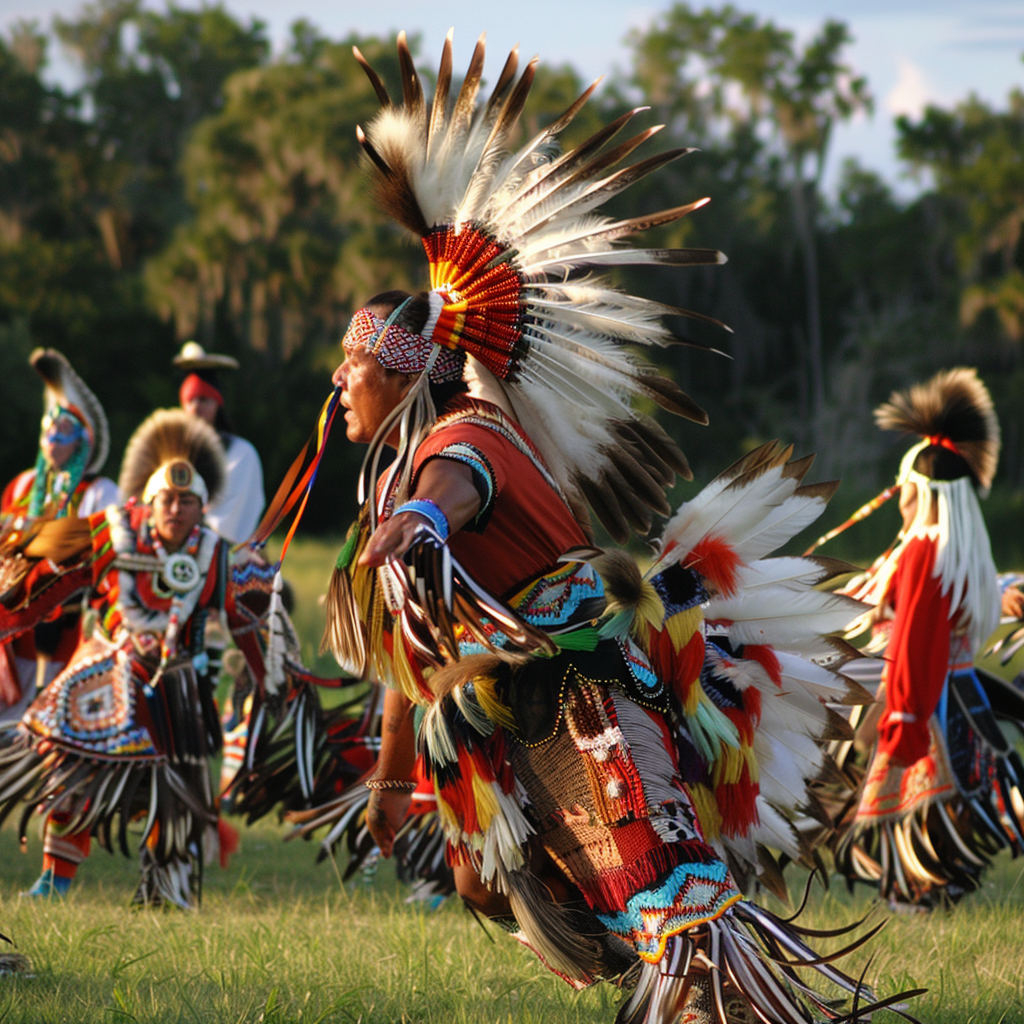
{"points": [[429, 510]]}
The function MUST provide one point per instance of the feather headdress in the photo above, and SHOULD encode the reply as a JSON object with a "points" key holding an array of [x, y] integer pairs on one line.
{"points": [[953, 407], [516, 248], [65, 388], [166, 436]]}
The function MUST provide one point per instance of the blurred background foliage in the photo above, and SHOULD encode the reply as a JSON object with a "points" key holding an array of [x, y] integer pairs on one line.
{"points": [[197, 185]]}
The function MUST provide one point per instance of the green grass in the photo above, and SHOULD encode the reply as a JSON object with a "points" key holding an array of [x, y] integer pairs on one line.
{"points": [[278, 939]]}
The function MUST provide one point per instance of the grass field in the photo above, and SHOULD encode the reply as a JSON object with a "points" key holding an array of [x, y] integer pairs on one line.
{"points": [[279, 940]]}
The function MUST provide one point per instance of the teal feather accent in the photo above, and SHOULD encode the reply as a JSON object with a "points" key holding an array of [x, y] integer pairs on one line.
{"points": [[618, 627], [711, 730]]}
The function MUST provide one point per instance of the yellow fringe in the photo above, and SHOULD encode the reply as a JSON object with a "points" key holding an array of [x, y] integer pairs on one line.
{"points": [[681, 626], [449, 822], [500, 714], [486, 802], [706, 806]]}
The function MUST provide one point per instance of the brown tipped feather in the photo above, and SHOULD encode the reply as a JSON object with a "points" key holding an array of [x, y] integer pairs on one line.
{"points": [[439, 107], [797, 469], [378, 86], [825, 490], [568, 163], [513, 107], [505, 79], [622, 179], [561, 123], [412, 89], [670, 396], [466, 101]]}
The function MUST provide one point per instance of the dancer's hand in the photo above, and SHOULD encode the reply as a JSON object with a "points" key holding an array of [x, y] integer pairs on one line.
{"points": [[392, 538], [1013, 603], [384, 816]]}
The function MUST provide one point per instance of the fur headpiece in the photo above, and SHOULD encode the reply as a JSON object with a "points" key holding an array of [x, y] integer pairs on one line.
{"points": [[168, 436], [66, 389], [516, 248], [953, 410]]}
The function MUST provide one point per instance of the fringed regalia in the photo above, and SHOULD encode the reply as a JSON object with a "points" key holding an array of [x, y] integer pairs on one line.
{"points": [[939, 782], [73, 416], [127, 730], [652, 734]]}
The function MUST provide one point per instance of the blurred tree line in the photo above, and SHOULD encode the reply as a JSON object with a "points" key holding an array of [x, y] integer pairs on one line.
{"points": [[198, 186]]}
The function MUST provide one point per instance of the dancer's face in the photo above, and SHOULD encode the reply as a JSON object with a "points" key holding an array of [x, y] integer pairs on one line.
{"points": [[369, 392], [203, 407], [175, 515], [60, 439], [908, 504]]}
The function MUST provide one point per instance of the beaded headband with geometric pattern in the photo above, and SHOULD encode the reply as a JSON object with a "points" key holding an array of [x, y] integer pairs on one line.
{"points": [[396, 348]]}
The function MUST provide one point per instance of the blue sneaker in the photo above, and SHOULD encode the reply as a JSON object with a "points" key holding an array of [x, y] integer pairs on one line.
{"points": [[49, 885]]}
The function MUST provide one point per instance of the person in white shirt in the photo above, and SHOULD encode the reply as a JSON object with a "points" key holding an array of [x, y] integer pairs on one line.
{"points": [[237, 512]]}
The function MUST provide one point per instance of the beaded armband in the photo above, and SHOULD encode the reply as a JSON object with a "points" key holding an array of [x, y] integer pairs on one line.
{"points": [[429, 510]]}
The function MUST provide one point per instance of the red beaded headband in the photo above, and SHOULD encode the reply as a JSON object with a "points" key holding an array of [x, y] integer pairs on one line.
{"points": [[396, 348]]}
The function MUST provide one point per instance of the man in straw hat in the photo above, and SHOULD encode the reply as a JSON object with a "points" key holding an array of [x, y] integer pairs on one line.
{"points": [[129, 726], [73, 444], [236, 512]]}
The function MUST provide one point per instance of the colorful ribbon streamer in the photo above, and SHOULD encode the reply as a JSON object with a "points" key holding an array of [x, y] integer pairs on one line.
{"points": [[862, 513], [298, 481]]}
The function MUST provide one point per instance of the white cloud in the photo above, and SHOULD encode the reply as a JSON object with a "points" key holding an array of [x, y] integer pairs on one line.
{"points": [[911, 93]]}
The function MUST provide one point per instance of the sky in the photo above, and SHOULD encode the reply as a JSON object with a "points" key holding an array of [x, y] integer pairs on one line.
{"points": [[913, 52]]}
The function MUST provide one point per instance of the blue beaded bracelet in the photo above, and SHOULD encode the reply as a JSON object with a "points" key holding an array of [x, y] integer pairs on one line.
{"points": [[429, 510]]}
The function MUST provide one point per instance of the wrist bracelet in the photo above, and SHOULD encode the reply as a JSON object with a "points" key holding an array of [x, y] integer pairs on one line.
{"points": [[403, 784], [429, 510]]}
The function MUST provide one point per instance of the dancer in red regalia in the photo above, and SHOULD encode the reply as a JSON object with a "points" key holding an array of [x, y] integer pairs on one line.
{"points": [[127, 729], [942, 788], [613, 752], [73, 443]]}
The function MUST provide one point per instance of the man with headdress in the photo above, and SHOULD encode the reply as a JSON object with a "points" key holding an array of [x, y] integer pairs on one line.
{"points": [[128, 727], [236, 512], [73, 444], [942, 787], [611, 752]]}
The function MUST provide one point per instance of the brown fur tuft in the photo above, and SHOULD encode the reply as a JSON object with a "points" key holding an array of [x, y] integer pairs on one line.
{"points": [[172, 434], [623, 582], [956, 405]]}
